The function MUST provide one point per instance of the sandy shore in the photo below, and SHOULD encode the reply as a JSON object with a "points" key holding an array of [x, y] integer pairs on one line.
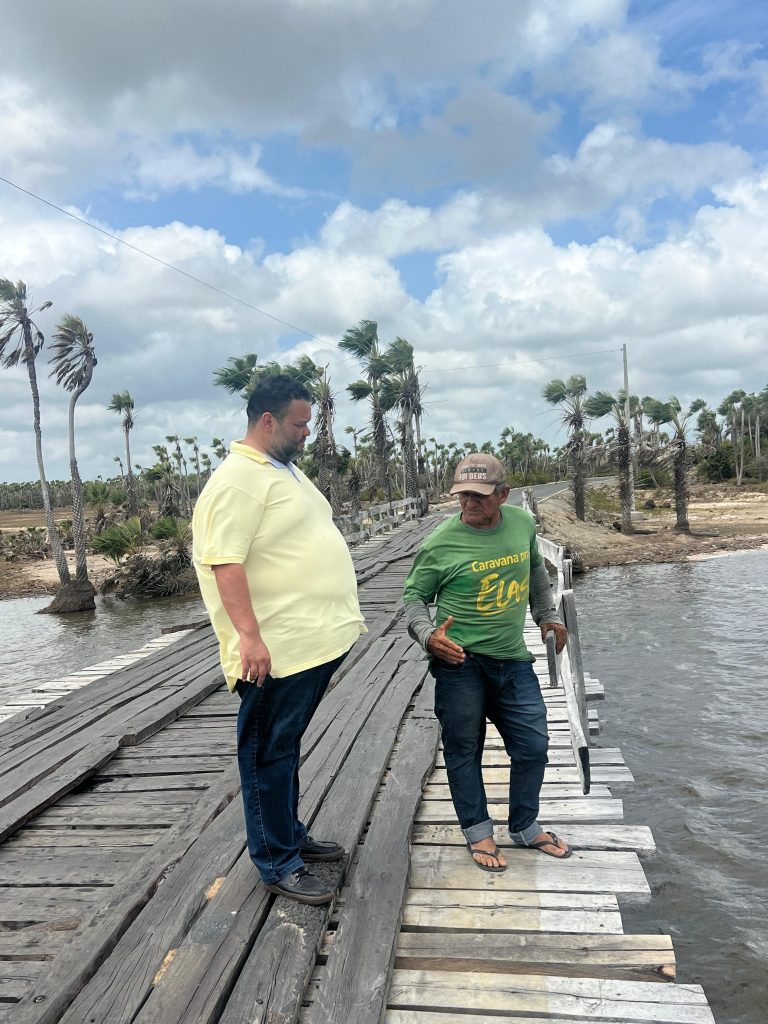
{"points": [[722, 520]]}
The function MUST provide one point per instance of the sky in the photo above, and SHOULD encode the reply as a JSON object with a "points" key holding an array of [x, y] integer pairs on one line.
{"points": [[518, 189]]}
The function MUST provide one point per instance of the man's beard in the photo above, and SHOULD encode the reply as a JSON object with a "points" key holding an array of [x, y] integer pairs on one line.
{"points": [[286, 452]]}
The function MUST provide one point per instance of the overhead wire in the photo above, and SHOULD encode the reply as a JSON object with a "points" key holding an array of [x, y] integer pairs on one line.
{"points": [[264, 312]]}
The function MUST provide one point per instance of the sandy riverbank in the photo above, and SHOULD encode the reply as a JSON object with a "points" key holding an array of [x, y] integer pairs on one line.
{"points": [[722, 520]]}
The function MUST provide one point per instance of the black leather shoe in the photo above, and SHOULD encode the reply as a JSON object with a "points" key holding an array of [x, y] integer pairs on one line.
{"points": [[320, 849], [302, 886]]}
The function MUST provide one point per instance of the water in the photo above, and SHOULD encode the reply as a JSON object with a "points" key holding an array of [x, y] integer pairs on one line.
{"points": [[41, 647], [681, 650]]}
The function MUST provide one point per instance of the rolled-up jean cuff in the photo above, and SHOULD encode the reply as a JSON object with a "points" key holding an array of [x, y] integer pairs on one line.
{"points": [[481, 830], [526, 837]]}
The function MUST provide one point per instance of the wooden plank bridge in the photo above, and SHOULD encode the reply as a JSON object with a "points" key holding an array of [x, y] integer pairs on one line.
{"points": [[127, 894]]}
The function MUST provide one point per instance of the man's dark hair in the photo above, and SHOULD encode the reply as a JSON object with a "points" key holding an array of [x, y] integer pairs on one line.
{"points": [[275, 394]]}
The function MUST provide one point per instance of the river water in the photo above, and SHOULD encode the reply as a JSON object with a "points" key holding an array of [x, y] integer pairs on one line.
{"points": [[41, 647], [682, 652]]}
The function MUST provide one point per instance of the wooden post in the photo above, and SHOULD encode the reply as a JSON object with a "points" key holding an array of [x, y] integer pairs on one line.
{"points": [[549, 641], [567, 574], [574, 654]]}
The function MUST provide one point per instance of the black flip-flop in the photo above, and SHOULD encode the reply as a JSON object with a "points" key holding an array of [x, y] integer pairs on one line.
{"points": [[554, 841], [486, 853]]}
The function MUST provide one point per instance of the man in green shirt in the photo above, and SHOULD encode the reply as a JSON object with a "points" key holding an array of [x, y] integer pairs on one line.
{"points": [[483, 568]]}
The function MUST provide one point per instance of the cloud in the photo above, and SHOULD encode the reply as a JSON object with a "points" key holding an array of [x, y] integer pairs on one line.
{"points": [[168, 167], [691, 308]]}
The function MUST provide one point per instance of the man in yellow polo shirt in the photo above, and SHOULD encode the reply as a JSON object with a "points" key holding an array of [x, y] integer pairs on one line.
{"points": [[279, 585]]}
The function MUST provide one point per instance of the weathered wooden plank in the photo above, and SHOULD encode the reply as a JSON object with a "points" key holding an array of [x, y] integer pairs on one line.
{"points": [[39, 839], [99, 867], [522, 996], [636, 957], [499, 793], [127, 764], [552, 773], [440, 812], [189, 784], [356, 978], [599, 756], [580, 837], [435, 867], [475, 909]]}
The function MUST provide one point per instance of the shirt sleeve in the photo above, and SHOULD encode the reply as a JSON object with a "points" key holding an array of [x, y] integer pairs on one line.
{"points": [[541, 597], [228, 523], [423, 580], [536, 557]]}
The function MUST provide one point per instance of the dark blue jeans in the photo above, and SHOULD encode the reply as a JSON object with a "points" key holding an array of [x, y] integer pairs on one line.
{"points": [[271, 721], [507, 693]]}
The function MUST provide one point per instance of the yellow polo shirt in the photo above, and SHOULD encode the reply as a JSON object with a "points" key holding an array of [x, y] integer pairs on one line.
{"points": [[278, 526]]}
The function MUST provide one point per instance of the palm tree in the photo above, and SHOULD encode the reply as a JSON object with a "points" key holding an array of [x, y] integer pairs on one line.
{"points": [[192, 442], [123, 404], [363, 342], [219, 448], [18, 327], [240, 376], [181, 465], [676, 451], [73, 360], [243, 374], [324, 448], [400, 389], [569, 395], [733, 407], [604, 404]]}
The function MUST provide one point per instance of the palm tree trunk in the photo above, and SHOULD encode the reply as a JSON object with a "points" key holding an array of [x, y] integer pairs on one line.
{"points": [[681, 485], [409, 458], [579, 482], [624, 463], [380, 444], [78, 519], [53, 536], [133, 504]]}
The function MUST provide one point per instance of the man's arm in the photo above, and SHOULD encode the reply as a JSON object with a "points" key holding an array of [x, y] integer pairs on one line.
{"points": [[543, 606], [232, 584]]}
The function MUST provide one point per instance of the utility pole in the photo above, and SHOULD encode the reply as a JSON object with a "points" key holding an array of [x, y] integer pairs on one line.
{"points": [[629, 429]]}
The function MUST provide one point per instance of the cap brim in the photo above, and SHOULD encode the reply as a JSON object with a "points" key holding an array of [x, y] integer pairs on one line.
{"points": [[473, 487]]}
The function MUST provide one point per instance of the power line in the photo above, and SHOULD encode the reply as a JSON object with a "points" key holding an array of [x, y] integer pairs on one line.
{"points": [[164, 263], [520, 362], [258, 309]]}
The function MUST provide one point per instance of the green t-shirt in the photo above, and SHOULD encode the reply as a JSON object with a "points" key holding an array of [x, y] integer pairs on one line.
{"points": [[480, 577]]}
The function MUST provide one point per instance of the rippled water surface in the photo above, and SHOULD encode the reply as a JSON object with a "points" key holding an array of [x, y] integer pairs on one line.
{"points": [[682, 652], [40, 647]]}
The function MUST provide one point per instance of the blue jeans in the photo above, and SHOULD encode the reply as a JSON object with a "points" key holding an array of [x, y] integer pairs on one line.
{"points": [[507, 693], [270, 723]]}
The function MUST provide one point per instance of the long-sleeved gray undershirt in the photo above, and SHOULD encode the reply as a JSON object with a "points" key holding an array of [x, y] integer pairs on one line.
{"points": [[421, 627]]}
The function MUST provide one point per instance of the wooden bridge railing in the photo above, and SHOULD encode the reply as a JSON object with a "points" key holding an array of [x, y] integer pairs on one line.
{"points": [[566, 669], [363, 525]]}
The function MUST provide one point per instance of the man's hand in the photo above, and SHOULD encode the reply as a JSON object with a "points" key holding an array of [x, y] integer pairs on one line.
{"points": [[561, 634], [255, 660], [444, 648]]}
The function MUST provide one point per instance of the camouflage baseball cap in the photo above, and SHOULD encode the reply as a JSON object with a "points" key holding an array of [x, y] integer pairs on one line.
{"points": [[480, 473]]}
